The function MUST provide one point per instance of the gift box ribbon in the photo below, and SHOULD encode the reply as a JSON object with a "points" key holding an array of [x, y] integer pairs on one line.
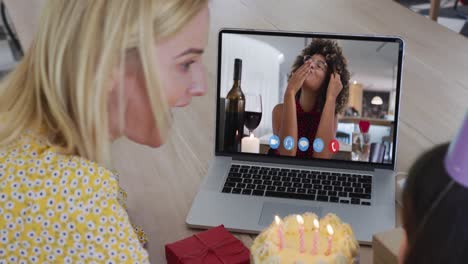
{"points": [[212, 249]]}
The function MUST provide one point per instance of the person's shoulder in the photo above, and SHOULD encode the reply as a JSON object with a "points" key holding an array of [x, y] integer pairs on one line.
{"points": [[277, 112], [94, 194], [278, 108], [38, 164], [78, 199], [78, 172], [68, 198]]}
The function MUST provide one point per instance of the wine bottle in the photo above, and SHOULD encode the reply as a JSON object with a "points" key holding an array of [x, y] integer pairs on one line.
{"points": [[235, 108]]}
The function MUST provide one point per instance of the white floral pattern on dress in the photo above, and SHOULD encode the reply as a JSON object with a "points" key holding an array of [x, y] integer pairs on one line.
{"points": [[61, 209]]}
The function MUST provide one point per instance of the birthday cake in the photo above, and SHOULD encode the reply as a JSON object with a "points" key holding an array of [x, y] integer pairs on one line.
{"points": [[306, 239]]}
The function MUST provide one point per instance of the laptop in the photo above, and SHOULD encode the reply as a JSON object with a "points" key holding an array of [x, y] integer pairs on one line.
{"points": [[346, 167]]}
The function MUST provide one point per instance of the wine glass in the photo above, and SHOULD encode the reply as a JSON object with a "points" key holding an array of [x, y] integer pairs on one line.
{"points": [[253, 111]]}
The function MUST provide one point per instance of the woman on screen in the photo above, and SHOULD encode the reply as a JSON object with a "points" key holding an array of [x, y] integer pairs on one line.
{"points": [[317, 91]]}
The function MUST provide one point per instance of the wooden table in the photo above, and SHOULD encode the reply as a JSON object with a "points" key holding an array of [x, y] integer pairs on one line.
{"points": [[161, 183]]}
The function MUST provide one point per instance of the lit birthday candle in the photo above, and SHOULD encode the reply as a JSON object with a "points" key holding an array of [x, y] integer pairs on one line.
{"points": [[279, 224], [316, 233], [330, 238], [300, 221]]}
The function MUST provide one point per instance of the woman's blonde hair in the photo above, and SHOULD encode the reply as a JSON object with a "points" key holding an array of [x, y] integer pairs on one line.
{"points": [[62, 83]]}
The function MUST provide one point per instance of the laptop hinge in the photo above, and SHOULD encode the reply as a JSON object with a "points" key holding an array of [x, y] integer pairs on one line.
{"points": [[308, 163]]}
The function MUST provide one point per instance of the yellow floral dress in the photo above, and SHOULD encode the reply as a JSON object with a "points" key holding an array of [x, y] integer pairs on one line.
{"points": [[56, 208]]}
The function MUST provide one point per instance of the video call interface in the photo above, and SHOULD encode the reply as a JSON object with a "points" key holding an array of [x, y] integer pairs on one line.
{"points": [[309, 98]]}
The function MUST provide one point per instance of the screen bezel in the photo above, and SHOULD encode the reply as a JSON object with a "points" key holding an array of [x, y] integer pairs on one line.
{"points": [[303, 161]]}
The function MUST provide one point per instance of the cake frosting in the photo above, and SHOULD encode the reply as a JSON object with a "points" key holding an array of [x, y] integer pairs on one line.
{"points": [[344, 249]]}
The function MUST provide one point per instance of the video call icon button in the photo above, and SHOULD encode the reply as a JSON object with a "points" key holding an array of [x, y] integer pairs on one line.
{"points": [[334, 146], [288, 143], [318, 145], [303, 144], [274, 142]]}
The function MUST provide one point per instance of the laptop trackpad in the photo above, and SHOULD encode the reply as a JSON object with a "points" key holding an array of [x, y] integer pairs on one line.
{"points": [[270, 209]]}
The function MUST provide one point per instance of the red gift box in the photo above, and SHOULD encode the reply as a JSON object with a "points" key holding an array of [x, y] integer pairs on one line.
{"points": [[214, 246]]}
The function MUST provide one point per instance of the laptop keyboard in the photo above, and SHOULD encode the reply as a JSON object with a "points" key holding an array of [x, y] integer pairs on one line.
{"points": [[299, 184]]}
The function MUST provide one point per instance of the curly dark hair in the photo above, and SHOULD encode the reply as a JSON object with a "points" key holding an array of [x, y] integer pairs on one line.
{"points": [[336, 62]]}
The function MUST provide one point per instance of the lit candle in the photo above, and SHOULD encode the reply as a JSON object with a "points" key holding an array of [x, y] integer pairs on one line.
{"points": [[300, 221], [330, 237], [280, 232], [250, 144], [316, 233], [237, 142]]}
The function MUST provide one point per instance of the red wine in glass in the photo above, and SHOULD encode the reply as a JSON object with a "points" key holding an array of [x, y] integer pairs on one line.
{"points": [[252, 120], [253, 111]]}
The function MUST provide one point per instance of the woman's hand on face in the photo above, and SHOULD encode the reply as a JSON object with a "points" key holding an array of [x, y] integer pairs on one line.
{"points": [[297, 78], [334, 86]]}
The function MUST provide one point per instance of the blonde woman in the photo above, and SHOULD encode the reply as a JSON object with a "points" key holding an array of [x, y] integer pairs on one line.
{"points": [[96, 71]]}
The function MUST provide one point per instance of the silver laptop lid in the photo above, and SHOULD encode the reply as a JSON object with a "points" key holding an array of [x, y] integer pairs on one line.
{"points": [[283, 111]]}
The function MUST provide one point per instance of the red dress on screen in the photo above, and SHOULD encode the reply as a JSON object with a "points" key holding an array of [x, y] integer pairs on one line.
{"points": [[307, 126]]}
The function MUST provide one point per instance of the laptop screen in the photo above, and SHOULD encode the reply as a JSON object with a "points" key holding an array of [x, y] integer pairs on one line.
{"points": [[308, 96]]}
